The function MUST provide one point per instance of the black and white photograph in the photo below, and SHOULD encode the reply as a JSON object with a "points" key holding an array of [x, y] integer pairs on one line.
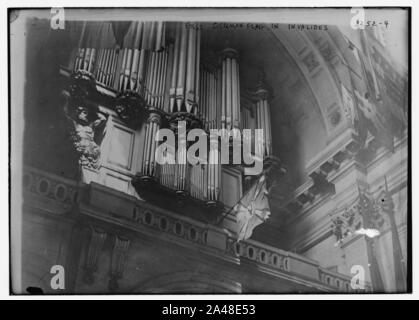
{"points": [[173, 151]]}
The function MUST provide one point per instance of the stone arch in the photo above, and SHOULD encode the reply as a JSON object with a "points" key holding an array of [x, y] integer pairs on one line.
{"points": [[188, 282]]}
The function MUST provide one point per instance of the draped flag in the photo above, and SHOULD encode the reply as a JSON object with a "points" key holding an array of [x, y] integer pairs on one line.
{"points": [[252, 209], [370, 102]]}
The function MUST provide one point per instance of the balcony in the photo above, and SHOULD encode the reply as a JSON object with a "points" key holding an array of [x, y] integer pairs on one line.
{"points": [[59, 198]]}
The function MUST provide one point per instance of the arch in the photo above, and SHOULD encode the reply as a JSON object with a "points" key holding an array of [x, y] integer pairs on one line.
{"points": [[312, 67], [188, 282]]}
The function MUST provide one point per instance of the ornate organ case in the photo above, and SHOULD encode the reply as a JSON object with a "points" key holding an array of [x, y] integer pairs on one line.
{"points": [[146, 76]]}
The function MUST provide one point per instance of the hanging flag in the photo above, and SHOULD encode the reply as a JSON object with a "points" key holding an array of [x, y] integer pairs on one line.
{"points": [[368, 68], [377, 119], [252, 209], [370, 102], [349, 105]]}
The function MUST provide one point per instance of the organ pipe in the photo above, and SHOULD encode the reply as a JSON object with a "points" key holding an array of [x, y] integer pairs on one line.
{"points": [[230, 106], [149, 164], [95, 39], [123, 66], [184, 88], [155, 79], [210, 91], [213, 173], [143, 41], [263, 118]]}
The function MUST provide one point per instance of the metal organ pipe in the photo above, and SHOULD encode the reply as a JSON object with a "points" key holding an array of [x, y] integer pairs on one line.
{"points": [[219, 108], [264, 119], [219, 98], [190, 78], [175, 68], [185, 71], [94, 42], [223, 96], [148, 76], [136, 57], [234, 101], [149, 164], [180, 85], [141, 37], [183, 97], [80, 50], [230, 89], [213, 174], [210, 98], [229, 102]]}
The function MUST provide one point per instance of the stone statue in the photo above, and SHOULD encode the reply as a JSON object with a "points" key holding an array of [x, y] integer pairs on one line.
{"points": [[83, 125]]}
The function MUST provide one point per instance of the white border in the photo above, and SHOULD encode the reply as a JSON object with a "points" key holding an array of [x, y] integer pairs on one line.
{"points": [[4, 216]]}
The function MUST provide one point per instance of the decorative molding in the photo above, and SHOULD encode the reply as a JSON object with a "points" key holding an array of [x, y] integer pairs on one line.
{"points": [[173, 226], [118, 260], [345, 223], [366, 212], [49, 192], [272, 261], [310, 61], [257, 252], [396, 180], [191, 120], [289, 263], [327, 51], [131, 107], [84, 119], [94, 249], [323, 171], [335, 118]]}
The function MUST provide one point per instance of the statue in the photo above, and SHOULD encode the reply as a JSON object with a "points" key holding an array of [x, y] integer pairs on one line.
{"points": [[83, 125]]}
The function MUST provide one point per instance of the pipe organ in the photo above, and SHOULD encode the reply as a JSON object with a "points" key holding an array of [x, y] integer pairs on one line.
{"points": [[163, 64], [123, 67]]}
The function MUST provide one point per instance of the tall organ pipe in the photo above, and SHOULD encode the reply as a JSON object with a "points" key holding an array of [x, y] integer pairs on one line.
{"points": [[230, 90], [263, 117], [185, 70]]}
